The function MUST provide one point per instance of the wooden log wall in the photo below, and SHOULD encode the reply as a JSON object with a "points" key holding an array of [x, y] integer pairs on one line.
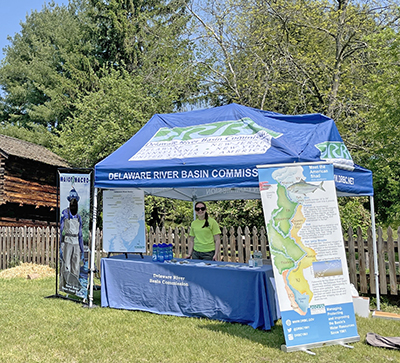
{"points": [[22, 191], [2, 170], [28, 191]]}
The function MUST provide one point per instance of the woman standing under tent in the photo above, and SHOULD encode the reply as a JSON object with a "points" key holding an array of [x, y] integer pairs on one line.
{"points": [[204, 236]]}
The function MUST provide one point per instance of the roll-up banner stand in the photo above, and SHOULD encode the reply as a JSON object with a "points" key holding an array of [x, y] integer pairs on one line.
{"points": [[74, 233], [308, 255]]}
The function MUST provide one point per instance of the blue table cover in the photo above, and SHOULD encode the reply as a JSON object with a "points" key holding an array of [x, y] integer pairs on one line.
{"points": [[216, 291]]}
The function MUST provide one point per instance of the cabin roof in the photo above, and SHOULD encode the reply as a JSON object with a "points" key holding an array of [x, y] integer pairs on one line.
{"points": [[27, 150]]}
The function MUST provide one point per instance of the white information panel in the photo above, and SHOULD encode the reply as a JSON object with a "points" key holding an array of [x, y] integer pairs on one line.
{"points": [[123, 221], [308, 255]]}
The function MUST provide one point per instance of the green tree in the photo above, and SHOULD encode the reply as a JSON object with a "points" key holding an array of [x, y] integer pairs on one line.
{"points": [[147, 68], [95, 71], [46, 67], [318, 56], [149, 39], [105, 118], [37, 134], [381, 137], [292, 56]]}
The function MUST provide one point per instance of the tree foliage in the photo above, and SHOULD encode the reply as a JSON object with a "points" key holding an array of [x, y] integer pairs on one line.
{"points": [[105, 118], [315, 56], [83, 78], [381, 137], [97, 69], [292, 56], [45, 68]]}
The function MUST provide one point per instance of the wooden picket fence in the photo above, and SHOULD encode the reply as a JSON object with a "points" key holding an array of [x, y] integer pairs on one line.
{"points": [[39, 245]]}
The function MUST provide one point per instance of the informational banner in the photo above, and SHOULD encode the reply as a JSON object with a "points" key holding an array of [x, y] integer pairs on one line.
{"points": [[74, 233], [308, 255], [233, 137], [123, 221]]}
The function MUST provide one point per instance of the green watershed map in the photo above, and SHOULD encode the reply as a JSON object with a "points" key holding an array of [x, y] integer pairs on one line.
{"points": [[291, 256]]}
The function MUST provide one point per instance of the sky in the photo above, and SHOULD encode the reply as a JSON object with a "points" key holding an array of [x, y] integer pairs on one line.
{"points": [[12, 12]]}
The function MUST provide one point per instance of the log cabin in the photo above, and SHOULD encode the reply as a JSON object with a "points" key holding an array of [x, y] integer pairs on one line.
{"points": [[28, 183]]}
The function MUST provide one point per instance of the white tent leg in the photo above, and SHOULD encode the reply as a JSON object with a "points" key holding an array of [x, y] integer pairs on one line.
{"points": [[93, 247], [376, 272]]}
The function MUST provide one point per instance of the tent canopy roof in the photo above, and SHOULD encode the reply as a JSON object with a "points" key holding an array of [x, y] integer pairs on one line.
{"points": [[213, 154]]}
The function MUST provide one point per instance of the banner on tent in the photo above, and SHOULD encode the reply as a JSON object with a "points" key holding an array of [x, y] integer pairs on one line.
{"points": [[308, 254], [74, 233], [123, 221]]}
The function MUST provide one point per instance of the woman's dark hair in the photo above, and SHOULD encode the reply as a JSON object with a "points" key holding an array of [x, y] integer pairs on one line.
{"points": [[206, 224]]}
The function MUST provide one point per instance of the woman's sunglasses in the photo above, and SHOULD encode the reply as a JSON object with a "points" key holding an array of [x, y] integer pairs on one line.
{"points": [[197, 209]]}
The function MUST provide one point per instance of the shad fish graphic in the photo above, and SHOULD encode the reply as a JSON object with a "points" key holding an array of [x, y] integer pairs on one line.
{"points": [[304, 188]]}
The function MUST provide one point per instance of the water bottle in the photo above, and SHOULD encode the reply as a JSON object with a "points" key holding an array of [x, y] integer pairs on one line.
{"points": [[166, 252], [170, 253], [154, 257], [257, 259], [251, 261], [161, 252]]}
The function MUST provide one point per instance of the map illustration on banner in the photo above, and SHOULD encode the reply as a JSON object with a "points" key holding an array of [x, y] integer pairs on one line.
{"points": [[124, 221], [308, 255]]}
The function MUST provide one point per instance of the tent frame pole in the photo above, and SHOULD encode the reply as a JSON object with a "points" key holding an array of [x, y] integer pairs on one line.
{"points": [[376, 270], [93, 246]]}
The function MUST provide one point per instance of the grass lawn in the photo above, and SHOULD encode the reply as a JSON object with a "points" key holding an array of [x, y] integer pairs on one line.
{"points": [[36, 329]]}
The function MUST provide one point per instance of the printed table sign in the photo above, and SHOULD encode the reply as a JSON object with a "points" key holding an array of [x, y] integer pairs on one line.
{"points": [[123, 221]]}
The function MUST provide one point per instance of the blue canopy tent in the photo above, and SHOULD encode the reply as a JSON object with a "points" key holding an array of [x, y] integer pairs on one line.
{"points": [[213, 154]]}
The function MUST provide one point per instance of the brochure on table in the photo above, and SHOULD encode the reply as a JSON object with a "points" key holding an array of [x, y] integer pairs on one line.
{"points": [[308, 254], [124, 221]]}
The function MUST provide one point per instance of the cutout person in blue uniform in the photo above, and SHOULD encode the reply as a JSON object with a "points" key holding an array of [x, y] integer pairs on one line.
{"points": [[71, 244]]}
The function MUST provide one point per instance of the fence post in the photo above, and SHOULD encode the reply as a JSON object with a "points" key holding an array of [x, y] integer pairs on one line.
{"points": [[225, 247], [381, 263], [163, 236], [264, 242], [176, 242], [256, 244], [99, 249], [24, 239], [372, 285], [183, 243], [232, 244], [157, 235], [247, 244], [352, 260], [53, 245], [151, 237], [169, 237], [9, 246], [46, 256], [392, 262], [2, 249], [43, 251], [15, 244], [240, 244], [361, 261]]}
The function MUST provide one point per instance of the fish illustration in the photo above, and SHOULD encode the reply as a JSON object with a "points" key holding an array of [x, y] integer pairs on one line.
{"points": [[304, 188]]}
